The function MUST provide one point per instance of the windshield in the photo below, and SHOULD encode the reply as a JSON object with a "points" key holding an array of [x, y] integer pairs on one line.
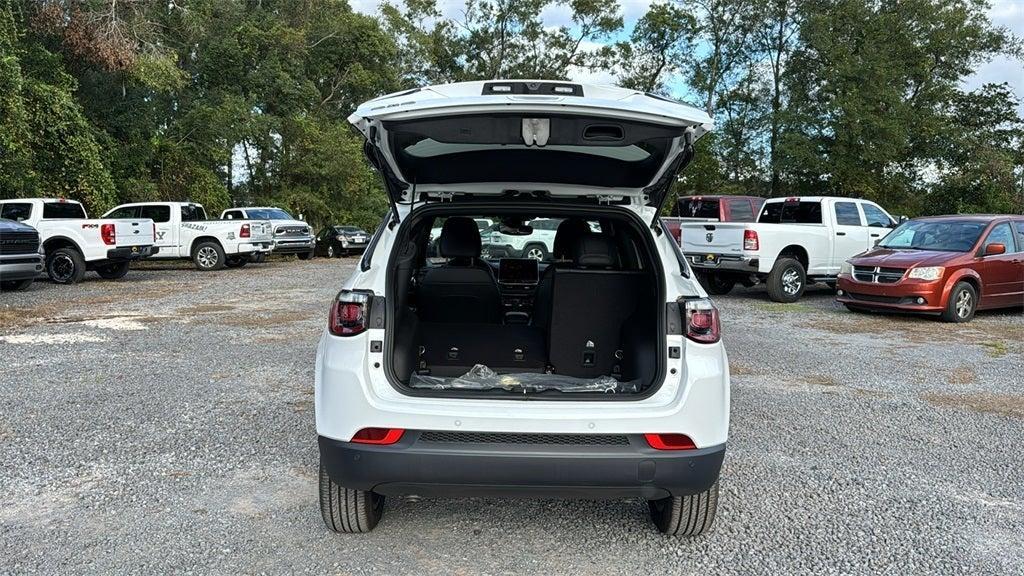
{"points": [[268, 214], [942, 235], [63, 210]]}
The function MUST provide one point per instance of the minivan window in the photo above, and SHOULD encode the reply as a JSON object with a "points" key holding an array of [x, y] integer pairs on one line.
{"points": [[847, 214], [16, 211], [1001, 234], [876, 218], [192, 213], [791, 213], [156, 213], [1020, 235], [941, 235], [740, 211], [71, 210], [697, 208]]}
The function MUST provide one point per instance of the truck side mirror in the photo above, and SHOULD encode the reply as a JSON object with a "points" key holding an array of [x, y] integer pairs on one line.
{"points": [[994, 249]]}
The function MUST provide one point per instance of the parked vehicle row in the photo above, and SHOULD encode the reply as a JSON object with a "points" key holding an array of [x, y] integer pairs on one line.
{"points": [[55, 236]]}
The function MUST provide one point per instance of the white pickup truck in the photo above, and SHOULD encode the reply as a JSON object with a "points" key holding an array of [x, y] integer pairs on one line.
{"points": [[183, 231], [291, 236], [74, 243], [793, 241]]}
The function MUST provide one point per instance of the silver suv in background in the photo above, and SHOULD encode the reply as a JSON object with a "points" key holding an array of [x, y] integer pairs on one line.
{"points": [[21, 255], [291, 236]]}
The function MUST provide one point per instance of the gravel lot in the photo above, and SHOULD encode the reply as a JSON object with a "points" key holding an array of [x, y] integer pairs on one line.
{"points": [[165, 423]]}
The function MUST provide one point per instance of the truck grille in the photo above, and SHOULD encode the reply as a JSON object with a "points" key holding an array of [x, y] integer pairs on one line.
{"points": [[514, 438], [878, 274], [19, 243], [290, 231]]}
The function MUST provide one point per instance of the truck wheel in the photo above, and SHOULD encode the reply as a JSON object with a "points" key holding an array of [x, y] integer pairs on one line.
{"points": [[113, 270], [787, 280], [65, 266], [685, 515], [348, 511], [305, 255], [16, 285], [236, 261], [717, 284], [963, 302], [208, 256]]}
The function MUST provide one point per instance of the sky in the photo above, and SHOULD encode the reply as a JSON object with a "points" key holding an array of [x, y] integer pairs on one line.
{"points": [[1005, 13]]}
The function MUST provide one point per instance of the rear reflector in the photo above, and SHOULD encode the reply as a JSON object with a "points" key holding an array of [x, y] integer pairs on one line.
{"points": [[670, 442], [380, 436]]}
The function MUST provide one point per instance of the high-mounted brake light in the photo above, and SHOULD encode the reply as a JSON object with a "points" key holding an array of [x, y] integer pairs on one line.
{"points": [[670, 442], [245, 232], [350, 314], [750, 241], [701, 321], [108, 233], [379, 436]]}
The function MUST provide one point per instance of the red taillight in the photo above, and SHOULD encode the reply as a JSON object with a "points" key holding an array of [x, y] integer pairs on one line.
{"points": [[381, 436], [670, 442], [750, 240], [108, 233], [349, 314], [701, 321], [245, 232]]}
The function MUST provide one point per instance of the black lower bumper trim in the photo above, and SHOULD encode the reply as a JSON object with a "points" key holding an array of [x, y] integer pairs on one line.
{"points": [[131, 253], [464, 469]]}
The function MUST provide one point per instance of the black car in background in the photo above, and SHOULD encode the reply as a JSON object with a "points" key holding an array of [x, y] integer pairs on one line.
{"points": [[338, 241]]}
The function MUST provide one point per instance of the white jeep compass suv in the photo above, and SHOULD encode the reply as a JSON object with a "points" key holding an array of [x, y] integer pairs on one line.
{"points": [[596, 373]]}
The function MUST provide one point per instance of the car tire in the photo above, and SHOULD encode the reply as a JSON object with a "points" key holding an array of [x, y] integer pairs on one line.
{"points": [[962, 304], [536, 251], [717, 284], [787, 280], [65, 266], [305, 255], [16, 285], [236, 261], [348, 511], [685, 515], [208, 256], [113, 270]]}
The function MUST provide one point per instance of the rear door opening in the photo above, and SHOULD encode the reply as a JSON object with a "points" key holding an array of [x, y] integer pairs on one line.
{"points": [[525, 301]]}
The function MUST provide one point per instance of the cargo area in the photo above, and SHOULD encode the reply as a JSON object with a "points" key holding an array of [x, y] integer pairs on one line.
{"points": [[526, 303]]}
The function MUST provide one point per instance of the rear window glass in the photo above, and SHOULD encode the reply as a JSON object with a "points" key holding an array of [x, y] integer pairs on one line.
{"points": [[17, 212], [156, 213], [740, 211], [791, 213], [697, 208], [63, 210]]}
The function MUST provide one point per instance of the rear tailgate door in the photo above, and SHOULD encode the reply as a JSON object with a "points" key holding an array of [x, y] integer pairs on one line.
{"points": [[133, 231], [712, 238]]}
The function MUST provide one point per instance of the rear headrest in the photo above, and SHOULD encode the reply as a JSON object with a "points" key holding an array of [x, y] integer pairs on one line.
{"points": [[566, 235], [460, 238], [595, 251]]}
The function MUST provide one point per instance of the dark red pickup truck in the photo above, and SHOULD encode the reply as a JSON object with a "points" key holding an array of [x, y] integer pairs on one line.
{"points": [[713, 209]]}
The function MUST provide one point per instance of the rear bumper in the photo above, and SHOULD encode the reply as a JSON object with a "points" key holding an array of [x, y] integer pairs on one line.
{"points": [[728, 262], [413, 466], [20, 266], [131, 253], [255, 247], [903, 296]]}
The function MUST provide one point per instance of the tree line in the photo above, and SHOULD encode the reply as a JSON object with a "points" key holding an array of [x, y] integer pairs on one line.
{"points": [[231, 102]]}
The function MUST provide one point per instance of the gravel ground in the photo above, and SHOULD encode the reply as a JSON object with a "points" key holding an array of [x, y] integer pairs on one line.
{"points": [[164, 423]]}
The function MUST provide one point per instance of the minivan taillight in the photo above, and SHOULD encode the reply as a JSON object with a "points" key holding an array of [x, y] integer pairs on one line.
{"points": [[245, 232], [701, 321], [109, 234], [350, 314], [750, 240]]}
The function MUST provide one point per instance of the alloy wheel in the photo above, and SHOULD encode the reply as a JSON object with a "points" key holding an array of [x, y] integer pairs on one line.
{"points": [[207, 257], [62, 268], [791, 281], [535, 253], [964, 303], [330, 251]]}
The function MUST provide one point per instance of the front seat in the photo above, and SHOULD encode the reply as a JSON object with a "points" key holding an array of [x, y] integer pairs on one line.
{"points": [[464, 289]]}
